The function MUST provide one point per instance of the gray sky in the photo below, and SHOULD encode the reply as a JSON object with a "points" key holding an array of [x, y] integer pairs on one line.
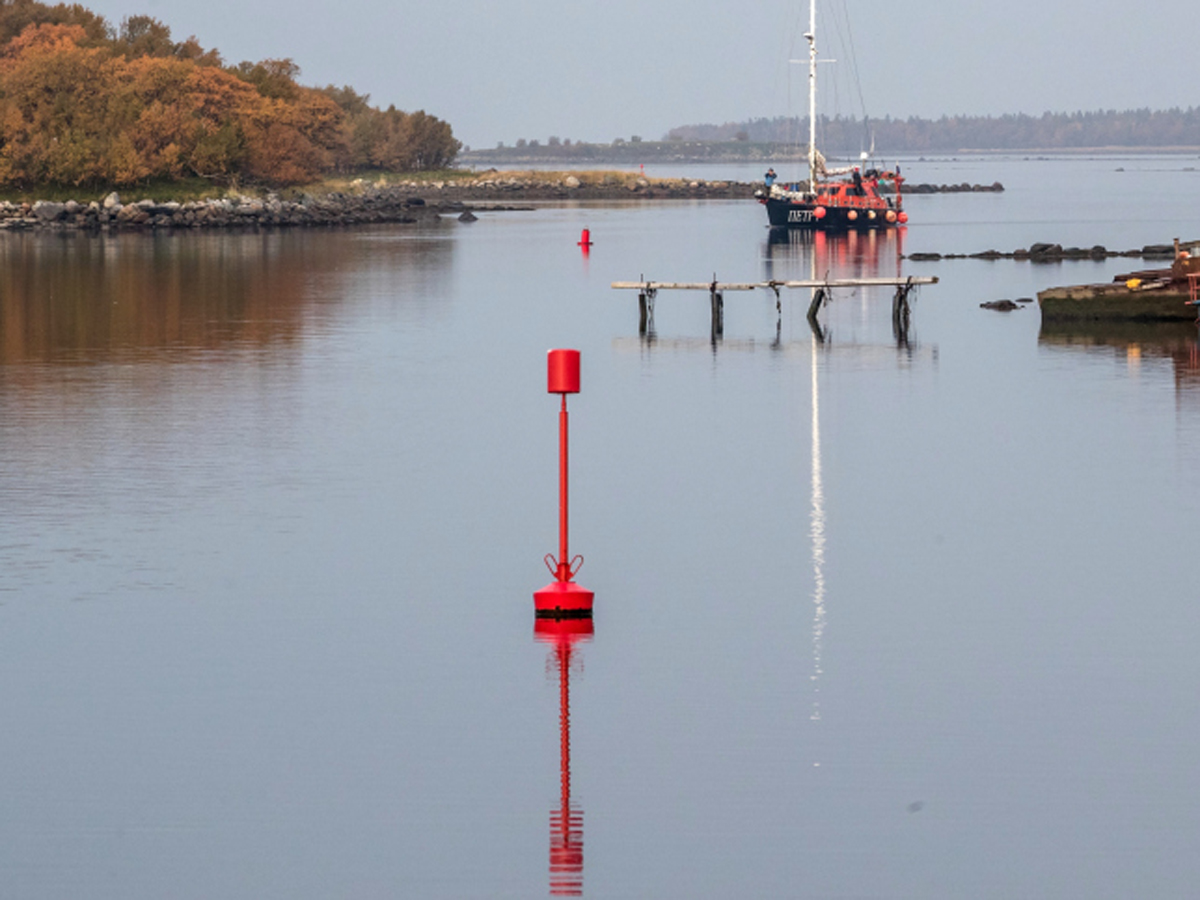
{"points": [[595, 71]]}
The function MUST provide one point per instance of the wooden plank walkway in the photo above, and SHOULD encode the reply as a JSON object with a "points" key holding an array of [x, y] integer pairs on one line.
{"points": [[821, 287], [771, 285]]}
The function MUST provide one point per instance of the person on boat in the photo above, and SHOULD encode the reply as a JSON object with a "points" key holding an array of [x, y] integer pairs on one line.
{"points": [[769, 178]]}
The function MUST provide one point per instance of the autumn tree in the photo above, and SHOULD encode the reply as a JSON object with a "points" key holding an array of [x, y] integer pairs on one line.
{"points": [[80, 103]]}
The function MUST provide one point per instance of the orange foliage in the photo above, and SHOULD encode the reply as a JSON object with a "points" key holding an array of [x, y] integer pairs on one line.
{"points": [[76, 110]]}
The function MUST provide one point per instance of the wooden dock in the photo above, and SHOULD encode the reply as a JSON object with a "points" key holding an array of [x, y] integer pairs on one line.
{"points": [[1118, 303], [821, 288]]}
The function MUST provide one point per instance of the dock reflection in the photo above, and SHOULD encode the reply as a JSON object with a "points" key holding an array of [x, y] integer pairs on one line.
{"points": [[566, 819], [1137, 342]]}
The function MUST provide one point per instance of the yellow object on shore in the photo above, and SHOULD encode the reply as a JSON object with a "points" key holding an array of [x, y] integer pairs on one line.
{"points": [[1133, 283]]}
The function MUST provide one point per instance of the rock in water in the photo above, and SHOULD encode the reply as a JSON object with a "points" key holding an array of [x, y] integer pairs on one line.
{"points": [[468, 216], [1002, 305]]}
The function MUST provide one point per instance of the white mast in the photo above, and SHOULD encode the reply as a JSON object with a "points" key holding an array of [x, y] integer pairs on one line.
{"points": [[811, 37]]}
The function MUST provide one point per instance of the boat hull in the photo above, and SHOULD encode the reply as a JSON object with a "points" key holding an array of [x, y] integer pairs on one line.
{"points": [[802, 215]]}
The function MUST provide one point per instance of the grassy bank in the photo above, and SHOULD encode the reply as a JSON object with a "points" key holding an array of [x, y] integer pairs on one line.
{"points": [[189, 189]]}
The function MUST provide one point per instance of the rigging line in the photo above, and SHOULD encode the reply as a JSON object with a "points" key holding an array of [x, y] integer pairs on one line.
{"points": [[848, 46], [838, 16], [862, 103], [792, 121]]}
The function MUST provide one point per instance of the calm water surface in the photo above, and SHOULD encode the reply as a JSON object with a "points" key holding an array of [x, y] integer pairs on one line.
{"points": [[876, 616]]}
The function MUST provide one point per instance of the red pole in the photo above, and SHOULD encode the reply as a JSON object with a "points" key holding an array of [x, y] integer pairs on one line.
{"points": [[564, 561]]}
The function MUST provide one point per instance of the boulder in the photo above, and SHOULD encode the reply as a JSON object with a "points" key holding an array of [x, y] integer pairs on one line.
{"points": [[1045, 251], [112, 201], [48, 210], [1000, 305], [468, 216], [571, 182]]}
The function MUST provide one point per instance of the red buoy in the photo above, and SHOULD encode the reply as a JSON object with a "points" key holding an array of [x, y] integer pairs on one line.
{"points": [[819, 212], [585, 239], [563, 598], [902, 218]]}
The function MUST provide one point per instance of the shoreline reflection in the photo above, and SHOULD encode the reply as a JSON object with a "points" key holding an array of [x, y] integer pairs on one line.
{"points": [[83, 298]]}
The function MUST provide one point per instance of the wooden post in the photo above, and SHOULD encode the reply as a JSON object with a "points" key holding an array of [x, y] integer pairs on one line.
{"points": [[643, 313], [815, 306], [718, 313], [900, 312]]}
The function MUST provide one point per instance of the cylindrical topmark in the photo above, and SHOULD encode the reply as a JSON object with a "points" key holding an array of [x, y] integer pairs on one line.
{"points": [[563, 372]]}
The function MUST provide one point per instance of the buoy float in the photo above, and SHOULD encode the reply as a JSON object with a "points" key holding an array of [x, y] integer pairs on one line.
{"points": [[890, 216], [585, 239], [902, 218], [563, 598], [819, 212], [871, 214], [852, 215]]}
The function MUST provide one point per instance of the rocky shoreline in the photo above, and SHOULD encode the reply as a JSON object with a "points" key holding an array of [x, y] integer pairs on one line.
{"points": [[363, 203], [1046, 253], [236, 211]]}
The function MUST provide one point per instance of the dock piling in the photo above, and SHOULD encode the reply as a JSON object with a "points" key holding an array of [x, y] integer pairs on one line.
{"points": [[819, 297], [718, 310]]}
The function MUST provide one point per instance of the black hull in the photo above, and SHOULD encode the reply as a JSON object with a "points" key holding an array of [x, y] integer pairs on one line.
{"points": [[802, 216]]}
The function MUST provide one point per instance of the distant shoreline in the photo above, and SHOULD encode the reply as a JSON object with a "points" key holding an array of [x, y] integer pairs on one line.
{"points": [[699, 153]]}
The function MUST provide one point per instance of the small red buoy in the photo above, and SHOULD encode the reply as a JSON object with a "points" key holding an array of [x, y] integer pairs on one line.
{"points": [[890, 216], [819, 212], [902, 218], [852, 215], [585, 239]]}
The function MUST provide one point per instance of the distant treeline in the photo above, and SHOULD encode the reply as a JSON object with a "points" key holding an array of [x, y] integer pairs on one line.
{"points": [[620, 151], [82, 103], [1140, 128]]}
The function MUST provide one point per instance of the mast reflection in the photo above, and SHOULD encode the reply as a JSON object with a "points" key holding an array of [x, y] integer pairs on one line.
{"points": [[817, 535], [566, 819]]}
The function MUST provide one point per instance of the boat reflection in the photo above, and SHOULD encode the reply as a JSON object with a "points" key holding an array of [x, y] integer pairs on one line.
{"points": [[793, 253], [566, 819], [1138, 343]]}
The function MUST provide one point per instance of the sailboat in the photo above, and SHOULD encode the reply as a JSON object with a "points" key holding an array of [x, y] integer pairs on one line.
{"points": [[832, 199]]}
